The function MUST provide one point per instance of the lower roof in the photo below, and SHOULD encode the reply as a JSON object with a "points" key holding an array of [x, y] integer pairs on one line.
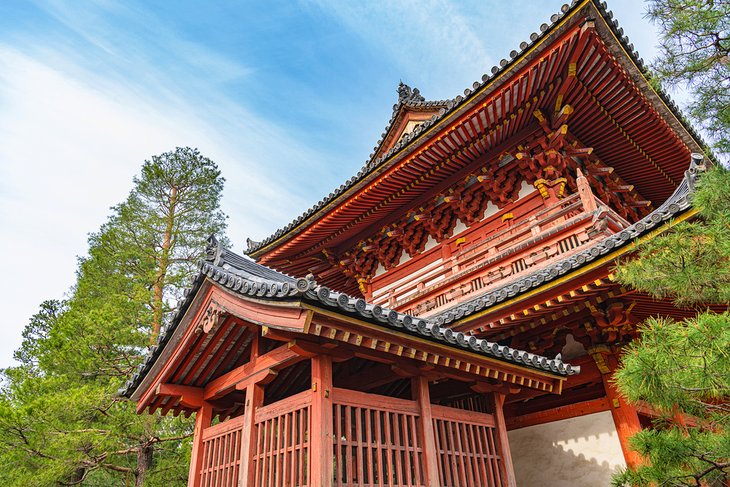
{"points": [[249, 279]]}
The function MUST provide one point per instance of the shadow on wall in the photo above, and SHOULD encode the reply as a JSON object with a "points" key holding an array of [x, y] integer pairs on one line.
{"points": [[576, 452]]}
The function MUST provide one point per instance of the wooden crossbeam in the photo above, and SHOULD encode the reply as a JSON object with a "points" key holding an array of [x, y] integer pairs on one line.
{"points": [[257, 371], [185, 396]]}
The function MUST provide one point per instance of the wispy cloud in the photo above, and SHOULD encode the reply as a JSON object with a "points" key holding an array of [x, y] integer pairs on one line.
{"points": [[417, 34], [78, 117]]}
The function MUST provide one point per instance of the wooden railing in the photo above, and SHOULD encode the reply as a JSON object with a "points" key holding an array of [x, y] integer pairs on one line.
{"points": [[525, 244], [468, 450], [281, 457], [222, 454], [377, 441]]}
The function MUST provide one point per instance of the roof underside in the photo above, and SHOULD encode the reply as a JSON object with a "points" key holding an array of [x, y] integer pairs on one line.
{"points": [[615, 112]]}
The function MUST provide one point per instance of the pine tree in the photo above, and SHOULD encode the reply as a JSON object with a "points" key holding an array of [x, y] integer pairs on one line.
{"points": [[695, 52], [682, 368], [61, 422]]}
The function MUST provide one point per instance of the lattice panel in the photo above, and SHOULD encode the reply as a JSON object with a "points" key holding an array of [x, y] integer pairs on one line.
{"points": [[467, 448], [222, 454], [281, 457], [377, 445]]}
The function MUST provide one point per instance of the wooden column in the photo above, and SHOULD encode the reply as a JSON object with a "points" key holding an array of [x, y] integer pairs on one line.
{"points": [[625, 416], [420, 393], [203, 417], [254, 399], [508, 470], [321, 445]]}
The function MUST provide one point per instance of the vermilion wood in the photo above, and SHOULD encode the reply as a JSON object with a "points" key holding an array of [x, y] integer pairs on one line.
{"points": [[501, 430], [385, 403], [290, 316], [254, 399], [186, 396], [321, 444], [202, 420], [387, 452], [425, 431], [183, 345], [563, 412], [463, 443], [399, 345], [253, 371], [460, 415], [209, 342], [625, 416], [222, 453]]}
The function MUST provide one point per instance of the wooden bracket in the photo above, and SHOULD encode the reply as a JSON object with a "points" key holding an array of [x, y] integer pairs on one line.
{"points": [[188, 396]]}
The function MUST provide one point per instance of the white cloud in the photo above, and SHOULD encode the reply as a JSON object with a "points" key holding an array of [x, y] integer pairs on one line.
{"points": [[72, 141], [416, 34]]}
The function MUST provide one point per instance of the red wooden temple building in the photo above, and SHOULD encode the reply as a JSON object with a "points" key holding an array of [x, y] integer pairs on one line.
{"points": [[448, 316]]}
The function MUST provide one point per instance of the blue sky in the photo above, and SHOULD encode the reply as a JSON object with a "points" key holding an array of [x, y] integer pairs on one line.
{"points": [[288, 98]]}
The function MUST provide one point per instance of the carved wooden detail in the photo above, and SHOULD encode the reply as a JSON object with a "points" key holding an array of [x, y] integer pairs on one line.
{"points": [[212, 318], [551, 162]]}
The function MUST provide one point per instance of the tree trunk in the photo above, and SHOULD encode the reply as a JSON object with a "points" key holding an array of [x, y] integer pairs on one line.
{"points": [[144, 463], [164, 261]]}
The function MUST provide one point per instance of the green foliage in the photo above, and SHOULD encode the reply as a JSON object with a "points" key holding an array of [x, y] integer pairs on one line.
{"points": [[61, 422], [695, 50], [691, 264], [684, 366]]}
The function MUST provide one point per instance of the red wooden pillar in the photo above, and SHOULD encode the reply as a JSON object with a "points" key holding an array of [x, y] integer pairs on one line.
{"points": [[203, 417], [625, 416], [321, 445], [254, 399], [420, 393], [508, 470]]}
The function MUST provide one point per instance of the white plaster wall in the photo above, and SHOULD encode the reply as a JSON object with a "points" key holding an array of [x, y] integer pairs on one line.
{"points": [[576, 452]]}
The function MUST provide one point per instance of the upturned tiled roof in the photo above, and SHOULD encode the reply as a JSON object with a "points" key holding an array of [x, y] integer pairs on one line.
{"points": [[248, 278], [449, 106]]}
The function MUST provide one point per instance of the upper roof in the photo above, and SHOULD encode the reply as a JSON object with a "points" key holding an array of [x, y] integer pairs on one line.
{"points": [[612, 35]]}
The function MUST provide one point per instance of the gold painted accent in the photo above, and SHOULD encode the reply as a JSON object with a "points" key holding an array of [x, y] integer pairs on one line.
{"points": [[539, 116], [460, 240], [541, 185], [582, 270], [558, 103], [572, 69], [507, 216]]}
